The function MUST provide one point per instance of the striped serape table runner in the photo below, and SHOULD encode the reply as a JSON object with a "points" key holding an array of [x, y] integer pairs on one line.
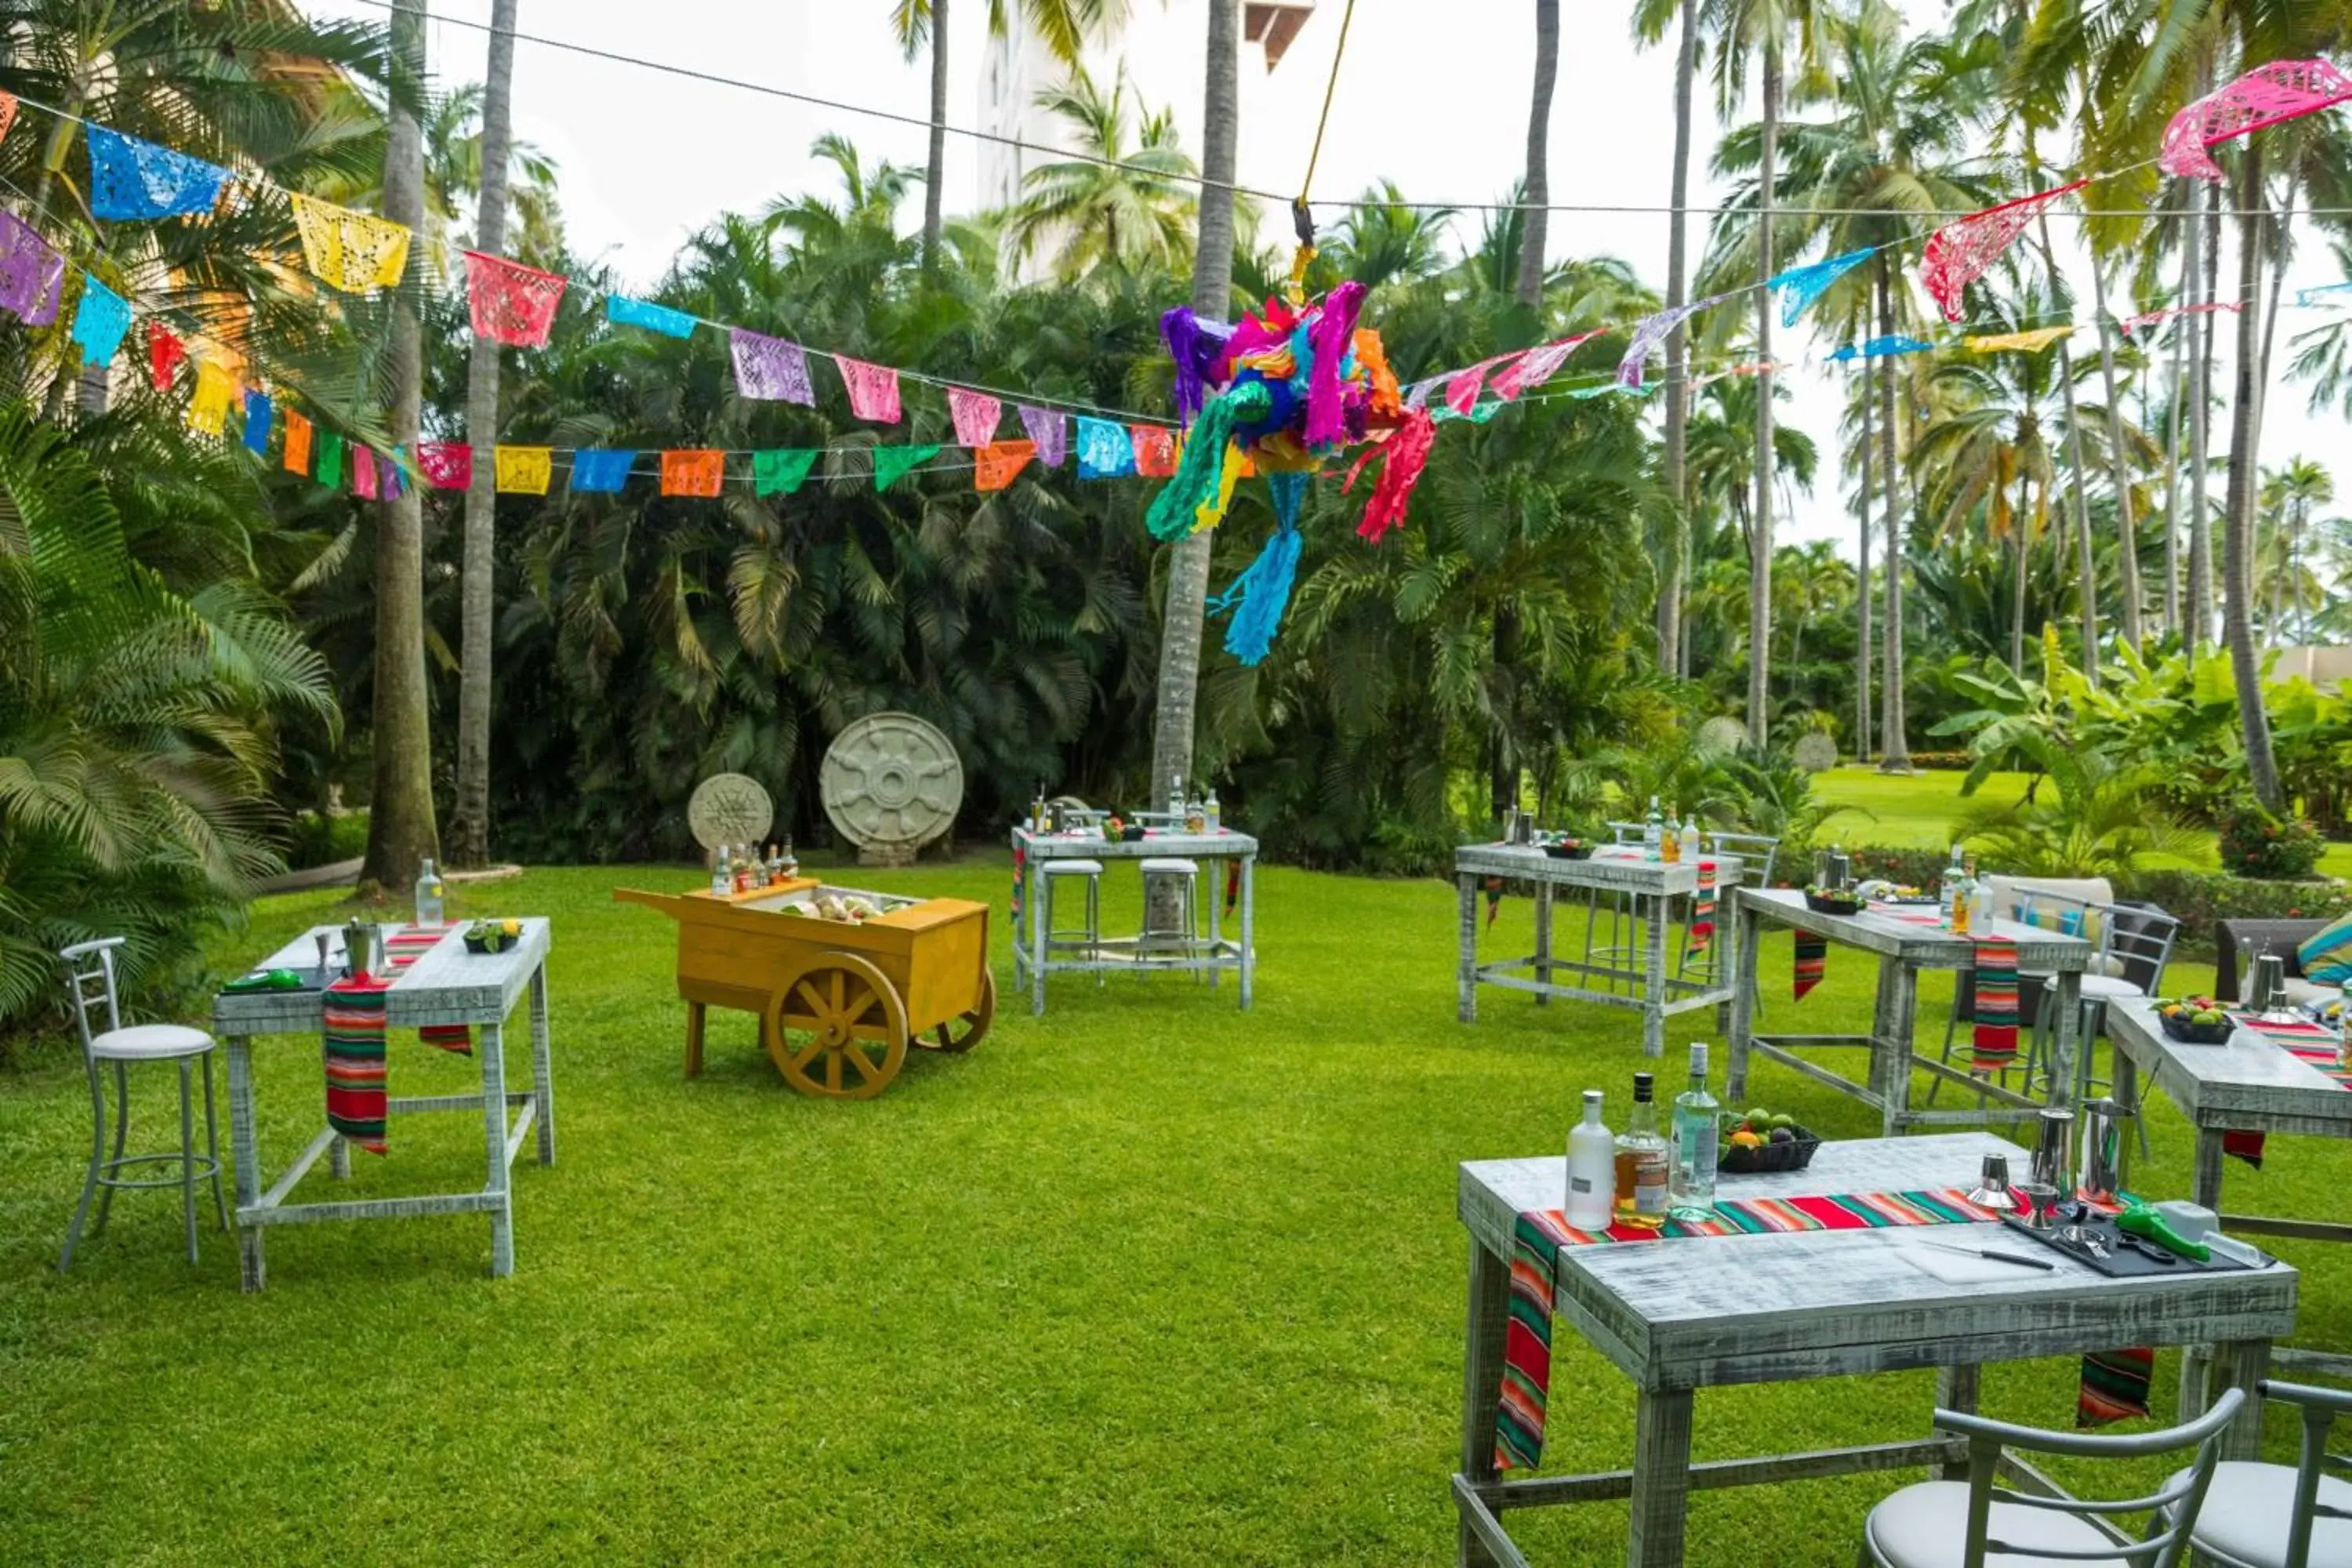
{"points": [[2313, 1043], [352, 1023]]}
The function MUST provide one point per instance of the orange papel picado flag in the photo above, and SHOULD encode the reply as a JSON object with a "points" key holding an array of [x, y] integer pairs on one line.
{"points": [[690, 473], [997, 464], [298, 443]]}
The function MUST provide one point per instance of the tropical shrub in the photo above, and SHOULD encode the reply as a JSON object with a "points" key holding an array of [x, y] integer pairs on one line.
{"points": [[2253, 843], [2091, 814], [136, 723]]}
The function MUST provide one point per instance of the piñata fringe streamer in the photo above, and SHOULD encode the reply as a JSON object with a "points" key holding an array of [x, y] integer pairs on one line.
{"points": [[1405, 455], [1331, 337], [1200, 473], [1260, 595], [1195, 345]]}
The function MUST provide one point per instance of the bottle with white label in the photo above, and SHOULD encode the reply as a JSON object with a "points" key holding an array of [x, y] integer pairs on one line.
{"points": [[429, 907], [1591, 1169], [1654, 832], [1644, 1163], [1690, 839], [1670, 840], [1950, 890]]}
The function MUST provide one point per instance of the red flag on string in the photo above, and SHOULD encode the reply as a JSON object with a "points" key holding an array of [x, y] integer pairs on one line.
{"points": [[1958, 253], [164, 353], [363, 473], [512, 304], [1155, 450], [448, 464], [2283, 90]]}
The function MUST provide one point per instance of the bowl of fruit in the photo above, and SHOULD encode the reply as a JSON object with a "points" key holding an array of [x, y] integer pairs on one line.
{"points": [[1571, 848], [1834, 901], [1761, 1142], [492, 936], [2195, 1020]]}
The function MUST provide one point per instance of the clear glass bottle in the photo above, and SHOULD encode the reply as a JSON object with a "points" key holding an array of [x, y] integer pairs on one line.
{"points": [[1670, 840], [429, 905], [1212, 813], [1654, 832], [1697, 1125], [1644, 1162], [742, 867], [722, 875], [1950, 891], [771, 867], [1591, 1169], [1176, 801], [1690, 838], [1964, 903], [791, 861]]}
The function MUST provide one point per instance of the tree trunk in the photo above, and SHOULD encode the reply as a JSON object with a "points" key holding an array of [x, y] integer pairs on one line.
{"points": [[2270, 307], [400, 809], [935, 166], [1760, 548], [2021, 530], [1894, 749], [1212, 274], [1534, 232], [2199, 609], [2238, 518], [2086, 585], [1672, 642], [2118, 467], [2172, 442], [469, 814], [1861, 594]]}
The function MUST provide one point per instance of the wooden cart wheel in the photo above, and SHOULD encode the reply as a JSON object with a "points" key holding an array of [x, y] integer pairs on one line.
{"points": [[960, 1034], [837, 1029]]}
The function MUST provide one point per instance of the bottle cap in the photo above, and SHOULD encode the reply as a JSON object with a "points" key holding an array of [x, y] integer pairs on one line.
{"points": [[1591, 1100], [1698, 1059], [1641, 1084]]}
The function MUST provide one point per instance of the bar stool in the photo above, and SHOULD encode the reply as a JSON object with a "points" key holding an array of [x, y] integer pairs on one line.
{"points": [[1187, 877], [90, 981], [1086, 938]]}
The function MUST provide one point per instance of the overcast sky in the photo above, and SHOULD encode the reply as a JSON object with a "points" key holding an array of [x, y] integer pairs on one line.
{"points": [[1430, 98]]}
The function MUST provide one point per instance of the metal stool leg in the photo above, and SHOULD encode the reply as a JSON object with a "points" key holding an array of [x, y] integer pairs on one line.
{"points": [[212, 1144], [188, 1158], [1094, 926], [1951, 1030], [97, 1163], [122, 1127]]}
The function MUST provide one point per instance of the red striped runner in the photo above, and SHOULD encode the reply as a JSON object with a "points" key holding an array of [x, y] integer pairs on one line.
{"points": [[2315, 1044], [351, 1021]]}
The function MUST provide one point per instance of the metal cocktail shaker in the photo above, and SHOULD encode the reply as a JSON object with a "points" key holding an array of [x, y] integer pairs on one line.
{"points": [[2104, 1121], [2050, 1164], [2270, 983], [363, 950]]}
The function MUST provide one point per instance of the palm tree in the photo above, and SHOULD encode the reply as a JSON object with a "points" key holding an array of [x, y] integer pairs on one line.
{"points": [[1723, 472], [1212, 287], [1538, 186], [400, 831], [1115, 205], [1065, 25], [1649, 27], [469, 823], [2288, 496]]}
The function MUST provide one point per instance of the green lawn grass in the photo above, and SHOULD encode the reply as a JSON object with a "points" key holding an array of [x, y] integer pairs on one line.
{"points": [[1920, 809], [1145, 1280]]}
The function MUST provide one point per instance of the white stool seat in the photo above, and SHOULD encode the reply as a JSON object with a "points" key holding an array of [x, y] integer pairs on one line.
{"points": [[1169, 866], [2244, 1516], [1073, 868], [150, 1043], [1927, 1526]]}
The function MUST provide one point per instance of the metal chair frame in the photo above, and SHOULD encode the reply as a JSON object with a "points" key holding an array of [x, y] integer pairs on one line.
{"points": [[90, 984], [2172, 1509], [2319, 1408]]}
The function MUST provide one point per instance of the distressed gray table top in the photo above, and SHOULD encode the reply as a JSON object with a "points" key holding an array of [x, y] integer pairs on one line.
{"points": [[1175, 846], [1603, 869], [2246, 1082], [1692, 1311], [446, 985], [1923, 946]]}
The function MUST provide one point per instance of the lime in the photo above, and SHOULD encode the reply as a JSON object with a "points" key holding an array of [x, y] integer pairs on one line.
{"points": [[1783, 1121]]}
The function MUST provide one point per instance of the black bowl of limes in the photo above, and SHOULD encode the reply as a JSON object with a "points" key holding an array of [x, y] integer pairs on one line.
{"points": [[1571, 848], [492, 936], [1760, 1142], [2195, 1021], [1831, 901]]}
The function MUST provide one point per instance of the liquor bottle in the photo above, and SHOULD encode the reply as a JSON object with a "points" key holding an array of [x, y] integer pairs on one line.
{"points": [[1697, 1128], [1690, 839], [429, 906], [1670, 840], [742, 867], [1950, 891], [1654, 832], [771, 869], [1176, 801], [1980, 912], [1964, 902], [791, 861], [722, 875], [1591, 1169], [1643, 1163], [1212, 814]]}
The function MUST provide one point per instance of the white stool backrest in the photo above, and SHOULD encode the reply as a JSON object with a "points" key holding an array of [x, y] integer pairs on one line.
{"points": [[90, 981], [2319, 1407]]}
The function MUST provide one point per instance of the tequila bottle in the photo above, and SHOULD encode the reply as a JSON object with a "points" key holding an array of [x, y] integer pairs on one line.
{"points": [[429, 906], [1670, 840], [1643, 1163], [1654, 832], [1697, 1128]]}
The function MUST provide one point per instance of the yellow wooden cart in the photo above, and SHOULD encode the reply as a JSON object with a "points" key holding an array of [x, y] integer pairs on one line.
{"points": [[838, 1001]]}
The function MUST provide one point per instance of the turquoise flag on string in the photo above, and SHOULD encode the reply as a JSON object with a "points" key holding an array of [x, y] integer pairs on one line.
{"points": [[1881, 348], [628, 312], [1800, 286], [100, 322]]}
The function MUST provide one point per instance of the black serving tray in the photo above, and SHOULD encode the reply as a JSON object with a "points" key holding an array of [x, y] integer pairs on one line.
{"points": [[2124, 1260]]}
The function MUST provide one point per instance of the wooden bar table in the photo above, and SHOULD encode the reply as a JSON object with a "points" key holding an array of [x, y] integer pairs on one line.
{"points": [[1903, 946], [1650, 983], [1032, 961], [2247, 1084], [1682, 1314], [447, 984]]}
